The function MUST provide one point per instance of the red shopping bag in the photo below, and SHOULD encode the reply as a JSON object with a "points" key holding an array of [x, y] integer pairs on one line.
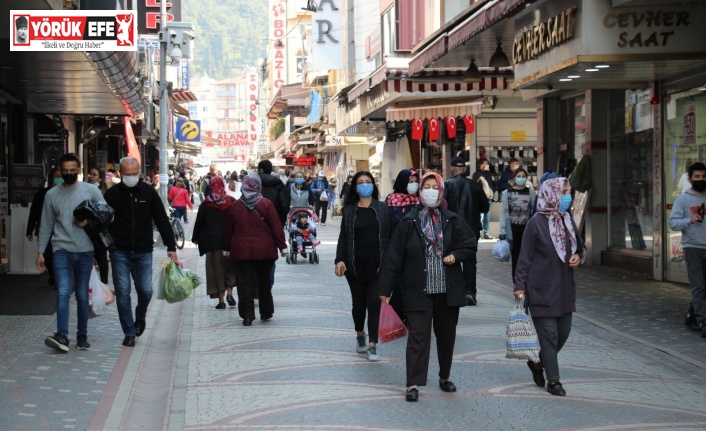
{"points": [[391, 326]]}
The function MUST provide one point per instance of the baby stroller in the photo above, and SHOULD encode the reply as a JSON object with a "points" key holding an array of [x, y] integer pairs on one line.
{"points": [[308, 247]]}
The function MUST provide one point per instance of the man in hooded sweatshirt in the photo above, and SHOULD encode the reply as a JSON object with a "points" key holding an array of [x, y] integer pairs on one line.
{"points": [[687, 217]]}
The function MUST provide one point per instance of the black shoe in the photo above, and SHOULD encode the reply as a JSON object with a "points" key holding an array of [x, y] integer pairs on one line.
{"points": [[447, 386], [247, 321], [470, 299], [129, 341], [555, 388], [265, 317], [231, 300], [412, 394], [140, 326], [221, 306], [703, 329], [537, 373], [58, 342], [82, 342]]}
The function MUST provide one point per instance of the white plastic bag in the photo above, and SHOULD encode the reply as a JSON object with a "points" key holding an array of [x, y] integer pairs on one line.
{"points": [[323, 197], [501, 250], [96, 296]]}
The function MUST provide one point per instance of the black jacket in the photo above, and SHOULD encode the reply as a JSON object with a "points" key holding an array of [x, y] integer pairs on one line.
{"points": [[405, 261], [35, 211], [345, 251], [135, 209], [466, 198], [208, 228], [276, 192]]}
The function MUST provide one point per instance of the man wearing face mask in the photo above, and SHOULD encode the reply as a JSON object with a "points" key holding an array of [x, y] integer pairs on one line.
{"points": [[73, 250], [466, 198], [137, 205], [688, 216]]}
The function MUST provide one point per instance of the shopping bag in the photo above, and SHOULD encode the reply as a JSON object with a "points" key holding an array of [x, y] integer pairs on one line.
{"points": [[177, 285], [323, 197], [501, 250], [391, 326], [195, 280], [520, 338], [162, 279], [109, 295], [96, 296]]}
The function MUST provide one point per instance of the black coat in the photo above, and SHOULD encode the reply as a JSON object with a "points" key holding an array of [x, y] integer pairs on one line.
{"points": [[274, 190], [345, 251], [208, 228], [405, 261], [466, 198]]}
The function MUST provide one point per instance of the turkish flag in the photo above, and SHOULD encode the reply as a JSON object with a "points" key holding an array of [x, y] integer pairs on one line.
{"points": [[434, 129], [417, 129], [451, 127], [470, 125], [132, 149]]}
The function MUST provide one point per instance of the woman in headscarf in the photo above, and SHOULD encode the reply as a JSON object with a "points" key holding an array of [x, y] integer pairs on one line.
{"points": [[551, 250], [252, 233], [425, 254], [517, 206], [362, 247], [220, 274]]}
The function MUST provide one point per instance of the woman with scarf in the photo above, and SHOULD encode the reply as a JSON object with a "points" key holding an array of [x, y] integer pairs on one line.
{"points": [[425, 257], [517, 206], [220, 274], [252, 233], [362, 246], [551, 250]]}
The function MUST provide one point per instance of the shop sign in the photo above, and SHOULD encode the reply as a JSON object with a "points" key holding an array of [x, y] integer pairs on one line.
{"points": [[148, 15], [253, 116], [373, 44], [518, 135], [278, 32], [327, 46], [544, 36], [41, 30], [689, 124], [305, 161], [238, 138]]}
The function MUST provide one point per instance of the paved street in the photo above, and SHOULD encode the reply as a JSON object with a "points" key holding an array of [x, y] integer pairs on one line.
{"points": [[630, 364]]}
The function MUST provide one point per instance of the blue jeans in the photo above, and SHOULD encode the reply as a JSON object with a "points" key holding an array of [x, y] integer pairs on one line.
{"points": [[180, 213], [139, 265], [486, 219], [72, 267]]}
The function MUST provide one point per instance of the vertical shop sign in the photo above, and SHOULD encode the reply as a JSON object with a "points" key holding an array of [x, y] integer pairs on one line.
{"points": [[278, 33], [689, 125], [148, 15], [327, 45], [252, 92]]}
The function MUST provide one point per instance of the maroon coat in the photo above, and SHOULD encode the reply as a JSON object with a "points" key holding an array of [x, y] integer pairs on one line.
{"points": [[248, 235]]}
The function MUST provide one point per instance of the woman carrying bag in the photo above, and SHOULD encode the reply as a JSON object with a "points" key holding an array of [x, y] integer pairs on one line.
{"points": [[424, 258], [517, 206]]}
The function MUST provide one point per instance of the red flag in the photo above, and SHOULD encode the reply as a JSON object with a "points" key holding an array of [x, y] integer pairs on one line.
{"points": [[434, 129], [451, 127], [470, 125], [132, 149], [417, 129]]}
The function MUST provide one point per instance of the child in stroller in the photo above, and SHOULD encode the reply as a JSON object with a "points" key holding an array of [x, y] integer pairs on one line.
{"points": [[303, 231]]}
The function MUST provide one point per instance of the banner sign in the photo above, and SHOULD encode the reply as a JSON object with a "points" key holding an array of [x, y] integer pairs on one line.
{"points": [[252, 92], [238, 138], [184, 73], [327, 43], [263, 141], [85, 30], [148, 14], [278, 32], [188, 131]]}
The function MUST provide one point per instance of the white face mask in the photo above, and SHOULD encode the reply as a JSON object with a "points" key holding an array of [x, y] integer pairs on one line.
{"points": [[131, 180], [430, 197], [412, 188], [96, 184]]}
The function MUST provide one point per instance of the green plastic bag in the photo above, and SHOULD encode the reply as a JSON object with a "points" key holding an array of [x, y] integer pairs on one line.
{"points": [[195, 280], [177, 285]]}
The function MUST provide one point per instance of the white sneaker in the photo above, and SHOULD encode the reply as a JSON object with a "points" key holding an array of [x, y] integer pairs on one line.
{"points": [[373, 355]]}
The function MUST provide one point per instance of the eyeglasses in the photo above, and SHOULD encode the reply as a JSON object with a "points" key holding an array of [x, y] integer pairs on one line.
{"points": [[71, 172]]}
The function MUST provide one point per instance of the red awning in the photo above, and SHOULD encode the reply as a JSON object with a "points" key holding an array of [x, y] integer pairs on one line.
{"points": [[415, 86], [407, 113], [183, 96], [430, 54]]}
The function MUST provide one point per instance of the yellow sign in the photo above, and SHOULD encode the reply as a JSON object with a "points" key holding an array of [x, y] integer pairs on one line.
{"points": [[518, 135], [188, 131]]}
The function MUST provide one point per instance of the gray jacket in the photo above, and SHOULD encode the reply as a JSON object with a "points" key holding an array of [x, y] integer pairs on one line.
{"points": [[300, 198]]}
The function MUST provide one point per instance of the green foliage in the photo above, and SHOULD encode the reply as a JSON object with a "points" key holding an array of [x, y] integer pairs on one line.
{"points": [[277, 129], [230, 34]]}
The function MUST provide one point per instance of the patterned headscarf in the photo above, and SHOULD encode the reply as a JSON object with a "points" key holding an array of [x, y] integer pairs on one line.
{"points": [[430, 218], [548, 203], [251, 188], [399, 197], [217, 198]]}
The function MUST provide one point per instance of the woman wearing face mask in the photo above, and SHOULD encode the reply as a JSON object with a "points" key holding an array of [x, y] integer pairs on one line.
{"points": [[551, 251], [424, 258], [517, 208], [300, 194], [362, 246], [35, 217], [484, 172]]}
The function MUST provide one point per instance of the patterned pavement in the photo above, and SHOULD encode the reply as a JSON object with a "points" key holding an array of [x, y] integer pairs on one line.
{"points": [[629, 364]]}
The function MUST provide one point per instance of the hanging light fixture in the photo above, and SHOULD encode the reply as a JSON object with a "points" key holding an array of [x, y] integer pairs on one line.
{"points": [[499, 59], [472, 74]]}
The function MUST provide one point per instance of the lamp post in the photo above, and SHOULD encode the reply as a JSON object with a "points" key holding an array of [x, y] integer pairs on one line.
{"points": [[163, 103]]}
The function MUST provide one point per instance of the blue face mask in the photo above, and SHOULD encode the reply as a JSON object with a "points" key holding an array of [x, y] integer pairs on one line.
{"points": [[565, 203], [364, 190], [520, 181], [299, 180]]}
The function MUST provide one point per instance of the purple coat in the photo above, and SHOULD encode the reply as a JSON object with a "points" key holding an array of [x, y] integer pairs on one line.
{"points": [[550, 290]]}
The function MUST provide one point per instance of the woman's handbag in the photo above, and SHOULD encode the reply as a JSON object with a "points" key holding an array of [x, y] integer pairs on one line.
{"points": [[501, 250], [391, 326], [520, 338]]}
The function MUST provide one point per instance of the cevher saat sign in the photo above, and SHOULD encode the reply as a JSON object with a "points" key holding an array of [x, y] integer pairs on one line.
{"points": [[46, 30]]}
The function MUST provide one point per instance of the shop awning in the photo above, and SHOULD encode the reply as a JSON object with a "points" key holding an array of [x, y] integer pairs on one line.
{"points": [[183, 96], [422, 86], [408, 113], [178, 109], [371, 81]]}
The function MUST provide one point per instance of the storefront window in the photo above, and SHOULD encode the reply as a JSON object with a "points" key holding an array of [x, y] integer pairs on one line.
{"points": [[572, 133], [631, 181], [684, 144]]}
